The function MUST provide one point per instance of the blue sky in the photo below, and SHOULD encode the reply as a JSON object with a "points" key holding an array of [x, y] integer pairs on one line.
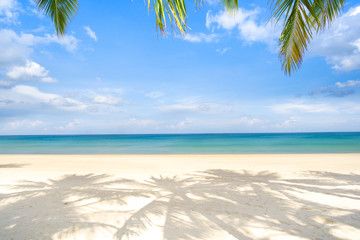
{"points": [[113, 73]]}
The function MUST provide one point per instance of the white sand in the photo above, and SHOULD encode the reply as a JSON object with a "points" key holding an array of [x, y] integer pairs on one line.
{"points": [[310, 196]]}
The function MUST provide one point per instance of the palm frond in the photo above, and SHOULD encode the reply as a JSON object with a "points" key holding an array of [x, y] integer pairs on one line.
{"points": [[327, 11], [176, 13], [301, 18], [230, 5], [60, 12], [296, 33], [173, 10]]}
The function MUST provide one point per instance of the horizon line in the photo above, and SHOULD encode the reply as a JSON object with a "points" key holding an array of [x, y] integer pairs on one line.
{"points": [[127, 134]]}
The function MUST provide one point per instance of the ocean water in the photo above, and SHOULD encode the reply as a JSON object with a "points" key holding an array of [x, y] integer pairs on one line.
{"points": [[183, 143]]}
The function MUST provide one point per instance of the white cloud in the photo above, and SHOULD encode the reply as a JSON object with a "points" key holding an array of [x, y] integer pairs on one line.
{"points": [[303, 107], [102, 101], [25, 96], [112, 90], [70, 42], [31, 71], [139, 122], [51, 99], [226, 20], [201, 37], [349, 83], [6, 4], [14, 48], [213, 2], [8, 13], [182, 124], [90, 33], [334, 108], [15, 54], [12, 125], [71, 125], [154, 95], [340, 44], [110, 100], [180, 108], [196, 107], [287, 123], [247, 121], [245, 21]]}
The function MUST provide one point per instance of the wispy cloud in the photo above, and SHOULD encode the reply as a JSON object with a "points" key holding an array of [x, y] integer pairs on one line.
{"points": [[212, 2], [139, 122], [181, 125], [110, 100], [90, 33], [9, 11], [349, 83], [337, 90], [247, 121], [25, 123], [287, 123], [201, 37], [303, 107], [221, 51], [71, 125], [180, 108], [154, 94], [196, 107], [16, 48], [70, 42], [23, 96], [332, 92]]}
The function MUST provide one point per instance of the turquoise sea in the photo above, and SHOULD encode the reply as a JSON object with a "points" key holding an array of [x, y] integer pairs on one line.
{"points": [[183, 143]]}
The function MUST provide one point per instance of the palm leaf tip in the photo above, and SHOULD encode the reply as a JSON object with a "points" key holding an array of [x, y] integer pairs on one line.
{"points": [[301, 18], [173, 11], [230, 5], [60, 11]]}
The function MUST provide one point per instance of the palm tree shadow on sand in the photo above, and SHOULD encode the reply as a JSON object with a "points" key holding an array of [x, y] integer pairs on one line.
{"points": [[213, 204], [12, 165], [52, 209]]}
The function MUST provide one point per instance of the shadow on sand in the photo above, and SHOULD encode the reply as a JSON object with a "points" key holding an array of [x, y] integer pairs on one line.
{"points": [[214, 204], [12, 165]]}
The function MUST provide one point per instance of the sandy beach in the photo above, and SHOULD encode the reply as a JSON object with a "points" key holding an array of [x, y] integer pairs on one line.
{"points": [[285, 196]]}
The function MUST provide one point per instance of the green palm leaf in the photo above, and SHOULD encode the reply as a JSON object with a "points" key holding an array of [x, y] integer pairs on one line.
{"points": [[301, 19], [327, 11], [230, 4], [60, 12], [175, 11]]}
